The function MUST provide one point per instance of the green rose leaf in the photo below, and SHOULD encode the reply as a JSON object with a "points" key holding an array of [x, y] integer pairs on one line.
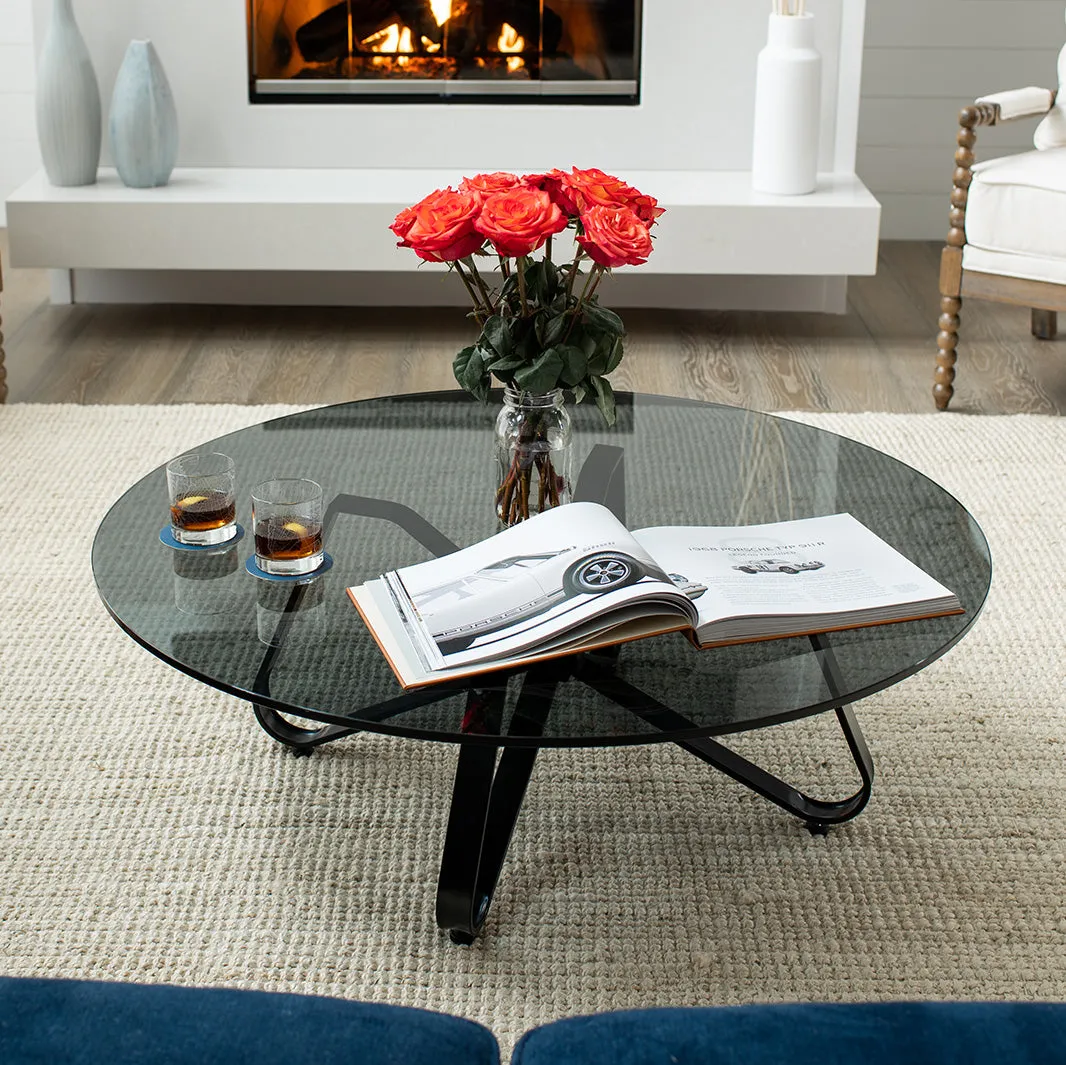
{"points": [[526, 345], [555, 329], [462, 361], [601, 354], [552, 281], [543, 374], [509, 289], [603, 318], [580, 392], [504, 368], [498, 336], [471, 373], [605, 399], [584, 338], [615, 356], [535, 283], [575, 365]]}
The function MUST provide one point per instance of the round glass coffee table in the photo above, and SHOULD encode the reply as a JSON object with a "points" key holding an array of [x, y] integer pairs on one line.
{"points": [[409, 477]]}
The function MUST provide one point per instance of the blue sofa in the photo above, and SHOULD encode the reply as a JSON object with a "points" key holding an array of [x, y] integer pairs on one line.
{"points": [[74, 1022], [80, 1022], [901, 1033]]}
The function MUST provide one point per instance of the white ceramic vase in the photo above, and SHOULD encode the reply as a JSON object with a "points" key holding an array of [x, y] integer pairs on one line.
{"points": [[143, 124], [69, 125], [788, 109]]}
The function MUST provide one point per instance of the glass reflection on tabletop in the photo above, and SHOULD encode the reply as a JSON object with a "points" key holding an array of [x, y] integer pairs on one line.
{"points": [[284, 610], [205, 582]]}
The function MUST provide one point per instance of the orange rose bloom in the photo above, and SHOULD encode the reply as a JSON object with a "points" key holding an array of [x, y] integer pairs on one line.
{"points": [[594, 188], [442, 229], [520, 220], [553, 183], [614, 236], [645, 207], [402, 223], [486, 184]]}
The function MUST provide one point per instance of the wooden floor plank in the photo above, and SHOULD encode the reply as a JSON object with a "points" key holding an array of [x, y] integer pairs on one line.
{"points": [[877, 356]]}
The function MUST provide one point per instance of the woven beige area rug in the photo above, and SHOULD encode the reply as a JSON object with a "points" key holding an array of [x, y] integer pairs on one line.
{"points": [[150, 831]]}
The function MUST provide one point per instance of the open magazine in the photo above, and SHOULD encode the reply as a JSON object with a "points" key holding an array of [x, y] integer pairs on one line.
{"points": [[575, 579]]}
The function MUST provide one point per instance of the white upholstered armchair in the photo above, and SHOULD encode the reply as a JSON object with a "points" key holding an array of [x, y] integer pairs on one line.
{"points": [[1007, 240]]}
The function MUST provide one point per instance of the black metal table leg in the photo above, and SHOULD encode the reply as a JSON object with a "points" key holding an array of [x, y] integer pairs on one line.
{"points": [[486, 801], [817, 814], [301, 740]]}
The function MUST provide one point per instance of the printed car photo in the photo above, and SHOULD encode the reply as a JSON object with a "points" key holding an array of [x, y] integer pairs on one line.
{"points": [[777, 565], [691, 588], [517, 589]]}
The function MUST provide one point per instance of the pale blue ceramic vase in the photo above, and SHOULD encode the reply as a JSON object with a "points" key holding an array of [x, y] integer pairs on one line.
{"points": [[144, 121], [67, 102]]}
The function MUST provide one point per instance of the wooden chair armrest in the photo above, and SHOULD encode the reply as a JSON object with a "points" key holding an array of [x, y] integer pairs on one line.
{"points": [[1007, 106], [985, 111]]}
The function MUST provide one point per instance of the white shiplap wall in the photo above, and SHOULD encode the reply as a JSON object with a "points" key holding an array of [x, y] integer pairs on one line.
{"points": [[923, 60], [19, 156]]}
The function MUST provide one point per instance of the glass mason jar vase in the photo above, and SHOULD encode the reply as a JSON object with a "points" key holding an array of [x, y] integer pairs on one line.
{"points": [[534, 454]]}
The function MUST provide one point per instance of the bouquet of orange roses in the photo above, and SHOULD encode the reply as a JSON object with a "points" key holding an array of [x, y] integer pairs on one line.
{"points": [[542, 327]]}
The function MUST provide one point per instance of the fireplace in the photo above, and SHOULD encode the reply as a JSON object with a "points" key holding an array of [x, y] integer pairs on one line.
{"points": [[444, 51]]}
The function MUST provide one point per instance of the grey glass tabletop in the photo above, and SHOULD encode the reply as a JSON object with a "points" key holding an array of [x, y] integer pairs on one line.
{"points": [[409, 476]]}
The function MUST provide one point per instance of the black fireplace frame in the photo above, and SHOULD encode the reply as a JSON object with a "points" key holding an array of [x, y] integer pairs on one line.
{"points": [[445, 91]]}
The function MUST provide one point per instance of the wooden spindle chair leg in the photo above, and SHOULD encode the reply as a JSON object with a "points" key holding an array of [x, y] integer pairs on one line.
{"points": [[947, 338], [1043, 324]]}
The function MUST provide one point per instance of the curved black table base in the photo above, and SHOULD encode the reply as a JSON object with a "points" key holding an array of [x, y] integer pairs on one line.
{"points": [[302, 740], [490, 786], [818, 814]]}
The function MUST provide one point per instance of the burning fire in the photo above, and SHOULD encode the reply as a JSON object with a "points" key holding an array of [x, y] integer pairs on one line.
{"points": [[391, 39], [510, 42], [397, 39]]}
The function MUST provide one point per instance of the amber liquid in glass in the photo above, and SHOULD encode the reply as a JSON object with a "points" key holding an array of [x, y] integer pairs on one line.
{"points": [[282, 539], [200, 512]]}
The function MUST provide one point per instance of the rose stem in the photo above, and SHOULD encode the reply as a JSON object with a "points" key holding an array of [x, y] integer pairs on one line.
{"points": [[599, 277], [478, 314], [596, 272], [524, 495], [573, 273], [522, 286], [486, 295]]}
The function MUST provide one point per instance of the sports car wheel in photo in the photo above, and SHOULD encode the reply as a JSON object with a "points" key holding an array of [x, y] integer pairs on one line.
{"points": [[602, 572]]}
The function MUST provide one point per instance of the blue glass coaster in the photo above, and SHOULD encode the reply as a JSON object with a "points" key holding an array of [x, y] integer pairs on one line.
{"points": [[288, 578], [166, 538]]}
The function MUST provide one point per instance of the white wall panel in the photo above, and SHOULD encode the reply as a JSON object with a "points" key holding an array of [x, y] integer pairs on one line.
{"points": [[963, 24], [923, 60], [19, 156], [926, 59]]}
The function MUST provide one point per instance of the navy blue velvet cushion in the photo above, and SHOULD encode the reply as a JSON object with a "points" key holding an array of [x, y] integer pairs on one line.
{"points": [[75, 1022], [904, 1033]]}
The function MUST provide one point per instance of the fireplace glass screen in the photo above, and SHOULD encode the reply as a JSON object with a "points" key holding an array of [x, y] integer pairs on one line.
{"points": [[470, 51]]}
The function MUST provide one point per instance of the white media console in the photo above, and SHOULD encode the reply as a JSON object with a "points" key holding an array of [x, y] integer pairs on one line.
{"points": [[292, 201]]}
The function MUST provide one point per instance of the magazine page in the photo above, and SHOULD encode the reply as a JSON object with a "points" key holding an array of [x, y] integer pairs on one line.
{"points": [[811, 566], [529, 584], [378, 611]]}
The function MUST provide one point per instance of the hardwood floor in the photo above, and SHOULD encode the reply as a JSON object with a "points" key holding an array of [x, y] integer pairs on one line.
{"points": [[878, 356]]}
